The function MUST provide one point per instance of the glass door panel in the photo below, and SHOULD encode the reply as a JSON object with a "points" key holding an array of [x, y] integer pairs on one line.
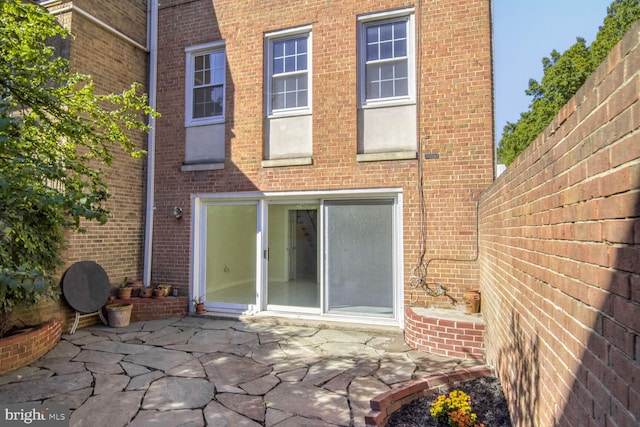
{"points": [[231, 254], [293, 256], [359, 257]]}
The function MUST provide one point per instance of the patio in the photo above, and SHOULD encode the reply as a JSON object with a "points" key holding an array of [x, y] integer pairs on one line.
{"points": [[202, 370]]}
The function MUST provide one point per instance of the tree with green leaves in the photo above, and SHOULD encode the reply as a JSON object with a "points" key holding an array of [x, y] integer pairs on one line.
{"points": [[563, 75], [56, 137]]}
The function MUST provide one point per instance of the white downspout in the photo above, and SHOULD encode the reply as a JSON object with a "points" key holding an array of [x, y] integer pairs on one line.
{"points": [[152, 45]]}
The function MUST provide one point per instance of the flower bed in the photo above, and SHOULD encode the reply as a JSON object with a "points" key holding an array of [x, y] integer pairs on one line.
{"points": [[385, 404]]}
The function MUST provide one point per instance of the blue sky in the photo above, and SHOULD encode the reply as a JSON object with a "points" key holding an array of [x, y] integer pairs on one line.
{"points": [[524, 32]]}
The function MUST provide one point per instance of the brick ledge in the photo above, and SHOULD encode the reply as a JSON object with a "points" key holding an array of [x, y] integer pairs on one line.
{"points": [[385, 404]]}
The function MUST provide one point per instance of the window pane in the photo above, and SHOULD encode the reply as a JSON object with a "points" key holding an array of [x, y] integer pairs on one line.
{"points": [[302, 45], [277, 101], [290, 64], [302, 62], [278, 65], [399, 48], [278, 85], [402, 87], [218, 67], [386, 32], [278, 49], [386, 89], [386, 71], [372, 34], [217, 94], [372, 52], [401, 69], [372, 81], [399, 30], [199, 102], [373, 90], [386, 50], [290, 99], [289, 47], [302, 98]]}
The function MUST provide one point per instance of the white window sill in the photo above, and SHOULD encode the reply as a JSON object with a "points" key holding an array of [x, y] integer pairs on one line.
{"points": [[392, 155], [295, 161], [201, 167]]}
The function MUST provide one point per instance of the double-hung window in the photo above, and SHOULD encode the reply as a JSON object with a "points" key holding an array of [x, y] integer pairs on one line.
{"points": [[206, 75], [288, 71], [386, 58]]}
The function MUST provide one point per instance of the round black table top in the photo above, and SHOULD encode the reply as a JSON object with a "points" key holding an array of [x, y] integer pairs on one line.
{"points": [[85, 286]]}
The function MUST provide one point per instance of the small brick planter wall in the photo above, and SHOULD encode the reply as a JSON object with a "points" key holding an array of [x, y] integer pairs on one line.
{"points": [[445, 332], [385, 404], [155, 308], [20, 350]]}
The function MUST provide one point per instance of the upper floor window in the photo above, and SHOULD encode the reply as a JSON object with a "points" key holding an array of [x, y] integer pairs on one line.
{"points": [[205, 85], [288, 71], [386, 57]]}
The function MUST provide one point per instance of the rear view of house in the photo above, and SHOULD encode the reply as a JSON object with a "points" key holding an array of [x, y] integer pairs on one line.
{"points": [[313, 156]]}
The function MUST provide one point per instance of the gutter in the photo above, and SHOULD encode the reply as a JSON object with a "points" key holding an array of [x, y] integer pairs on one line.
{"points": [[152, 46]]}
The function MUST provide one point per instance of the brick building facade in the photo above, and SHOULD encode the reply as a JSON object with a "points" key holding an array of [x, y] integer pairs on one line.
{"points": [[317, 149], [109, 43]]}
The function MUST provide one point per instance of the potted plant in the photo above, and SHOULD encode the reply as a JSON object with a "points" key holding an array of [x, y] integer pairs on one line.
{"points": [[166, 289], [124, 292], [158, 292], [198, 305]]}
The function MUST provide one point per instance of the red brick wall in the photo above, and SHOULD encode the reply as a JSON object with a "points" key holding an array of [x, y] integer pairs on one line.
{"points": [[560, 259], [454, 121], [114, 63]]}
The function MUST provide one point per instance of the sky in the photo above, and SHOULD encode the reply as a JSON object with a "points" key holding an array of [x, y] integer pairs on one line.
{"points": [[524, 32]]}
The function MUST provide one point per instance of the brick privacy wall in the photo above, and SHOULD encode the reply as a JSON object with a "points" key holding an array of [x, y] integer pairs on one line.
{"points": [[560, 259], [22, 349], [114, 64], [454, 121]]}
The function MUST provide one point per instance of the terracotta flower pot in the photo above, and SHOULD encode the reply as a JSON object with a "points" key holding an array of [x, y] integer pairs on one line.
{"points": [[146, 292], [472, 301], [200, 308], [124, 293], [135, 286], [119, 315], [158, 293]]}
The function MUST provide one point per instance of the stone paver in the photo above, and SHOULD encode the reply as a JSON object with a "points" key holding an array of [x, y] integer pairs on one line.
{"points": [[201, 371], [107, 410], [178, 393]]}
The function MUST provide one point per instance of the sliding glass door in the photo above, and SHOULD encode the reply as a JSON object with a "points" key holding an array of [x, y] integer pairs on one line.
{"points": [[324, 257], [292, 279], [230, 264], [359, 271]]}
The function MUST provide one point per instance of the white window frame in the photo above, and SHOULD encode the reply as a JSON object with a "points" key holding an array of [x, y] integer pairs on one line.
{"points": [[377, 19], [269, 39], [191, 53]]}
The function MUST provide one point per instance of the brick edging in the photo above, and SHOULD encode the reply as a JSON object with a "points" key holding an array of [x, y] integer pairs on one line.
{"points": [[20, 350], [385, 404]]}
